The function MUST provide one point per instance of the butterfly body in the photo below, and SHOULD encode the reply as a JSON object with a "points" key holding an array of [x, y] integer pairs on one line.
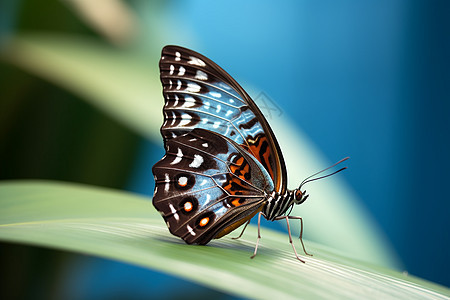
{"points": [[223, 164]]}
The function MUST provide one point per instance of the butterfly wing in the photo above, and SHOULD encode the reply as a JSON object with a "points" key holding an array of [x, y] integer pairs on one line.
{"points": [[206, 183], [200, 94]]}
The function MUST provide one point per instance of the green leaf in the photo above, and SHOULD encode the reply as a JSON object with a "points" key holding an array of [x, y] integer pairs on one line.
{"points": [[126, 227]]}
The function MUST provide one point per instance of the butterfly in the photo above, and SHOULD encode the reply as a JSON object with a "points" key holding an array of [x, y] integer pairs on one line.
{"points": [[223, 164]]}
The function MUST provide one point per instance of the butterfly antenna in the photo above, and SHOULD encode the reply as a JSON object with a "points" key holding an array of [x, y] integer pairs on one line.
{"points": [[308, 179]]}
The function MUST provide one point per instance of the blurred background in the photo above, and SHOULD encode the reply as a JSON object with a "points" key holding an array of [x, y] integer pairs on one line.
{"points": [[80, 101]]}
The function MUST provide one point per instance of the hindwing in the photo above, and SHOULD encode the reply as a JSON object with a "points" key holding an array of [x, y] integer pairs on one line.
{"points": [[200, 94], [205, 183]]}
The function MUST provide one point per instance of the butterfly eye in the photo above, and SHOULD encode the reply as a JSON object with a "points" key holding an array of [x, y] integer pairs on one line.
{"points": [[298, 195]]}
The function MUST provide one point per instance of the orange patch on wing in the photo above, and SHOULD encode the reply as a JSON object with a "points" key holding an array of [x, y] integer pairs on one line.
{"points": [[237, 165], [244, 171], [255, 148], [240, 168], [236, 202], [229, 187]]}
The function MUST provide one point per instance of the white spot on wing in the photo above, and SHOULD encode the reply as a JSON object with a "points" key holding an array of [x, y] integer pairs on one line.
{"points": [[189, 102], [178, 158], [182, 180], [172, 68], [204, 120], [207, 105], [228, 113], [193, 87], [205, 145], [216, 124], [189, 228], [197, 162], [204, 182], [172, 209], [177, 56], [196, 61], [178, 84], [215, 94], [185, 119], [200, 75], [173, 119], [219, 107], [181, 71], [167, 181]]}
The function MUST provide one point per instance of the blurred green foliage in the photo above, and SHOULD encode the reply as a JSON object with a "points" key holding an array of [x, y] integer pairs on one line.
{"points": [[48, 132]]}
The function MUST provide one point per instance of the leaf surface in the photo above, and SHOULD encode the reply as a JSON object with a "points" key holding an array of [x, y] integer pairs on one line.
{"points": [[126, 227]]}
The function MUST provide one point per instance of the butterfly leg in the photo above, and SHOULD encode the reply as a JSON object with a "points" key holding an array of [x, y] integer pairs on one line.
{"points": [[242, 232], [290, 239], [301, 231], [259, 235], [290, 236]]}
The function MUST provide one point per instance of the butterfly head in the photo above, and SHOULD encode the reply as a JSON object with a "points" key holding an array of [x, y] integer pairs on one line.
{"points": [[299, 196]]}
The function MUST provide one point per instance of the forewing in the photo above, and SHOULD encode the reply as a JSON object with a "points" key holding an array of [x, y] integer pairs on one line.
{"points": [[205, 183], [200, 94]]}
